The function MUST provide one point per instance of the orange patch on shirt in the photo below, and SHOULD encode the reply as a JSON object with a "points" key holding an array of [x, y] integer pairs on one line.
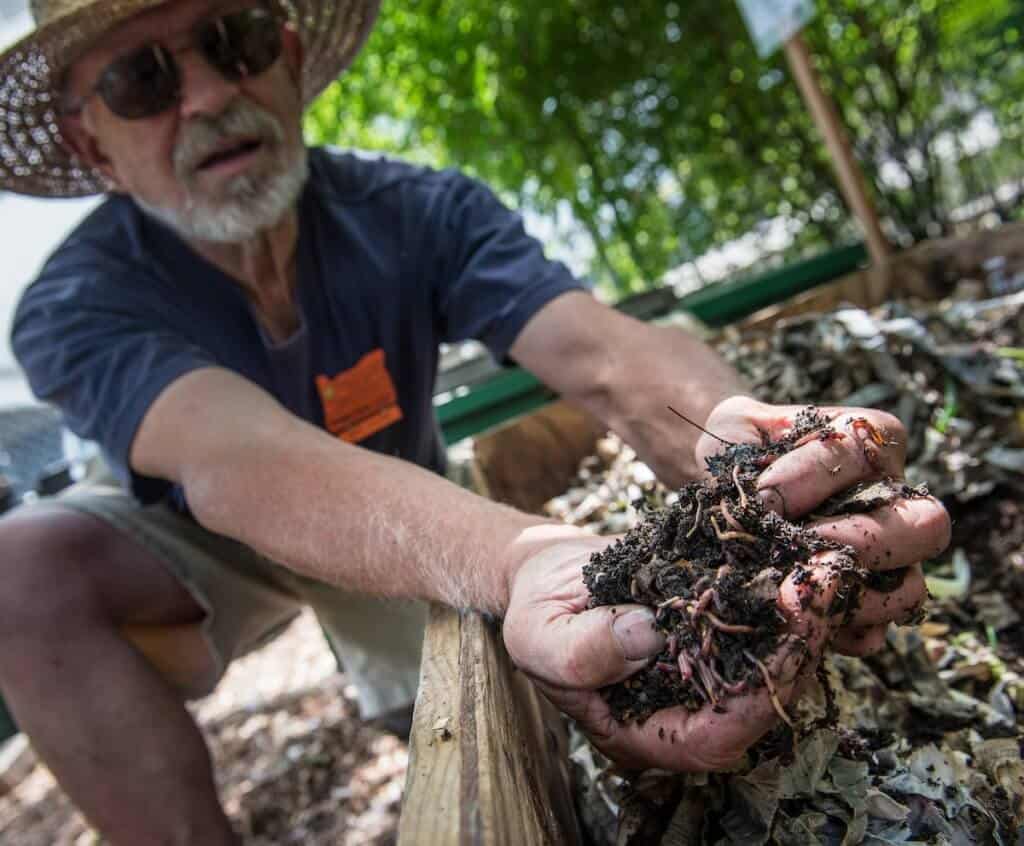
{"points": [[361, 401]]}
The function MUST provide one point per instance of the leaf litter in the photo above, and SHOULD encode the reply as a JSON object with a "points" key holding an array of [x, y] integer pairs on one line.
{"points": [[918, 744]]}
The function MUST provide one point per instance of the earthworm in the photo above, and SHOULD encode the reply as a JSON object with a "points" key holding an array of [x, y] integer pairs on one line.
{"points": [[729, 628], [696, 519], [732, 521], [702, 584], [715, 674], [724, 536], [768, 683], [703, 602], [672, 646], [734, 688], [685, 666], [739, 487], [709, 682]]}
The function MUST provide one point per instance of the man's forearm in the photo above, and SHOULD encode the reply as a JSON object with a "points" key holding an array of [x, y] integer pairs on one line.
{"points": [[367, 522], [327, 509], [661, 367], [626, 373]]}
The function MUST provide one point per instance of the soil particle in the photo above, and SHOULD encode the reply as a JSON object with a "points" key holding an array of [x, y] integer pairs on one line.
{"points": [[711, 565]]}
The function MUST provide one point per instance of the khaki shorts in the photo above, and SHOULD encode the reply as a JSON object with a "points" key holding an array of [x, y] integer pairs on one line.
{"points": [[249, 599]]}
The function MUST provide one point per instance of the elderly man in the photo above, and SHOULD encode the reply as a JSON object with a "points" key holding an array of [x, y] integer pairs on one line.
{"points": [[250, 330]]}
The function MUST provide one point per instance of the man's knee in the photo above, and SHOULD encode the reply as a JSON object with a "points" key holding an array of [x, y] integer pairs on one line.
{"points": [[48, 568]]}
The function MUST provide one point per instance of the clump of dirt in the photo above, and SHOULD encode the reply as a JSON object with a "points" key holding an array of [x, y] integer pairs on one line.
{"points": [[711, 565]]}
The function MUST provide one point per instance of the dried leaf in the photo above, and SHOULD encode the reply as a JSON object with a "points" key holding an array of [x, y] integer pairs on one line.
{"points": [[804, 830], [1006, 459], [995, 611], [687, 824], [810, 763], [882, 806], [754, 801]]}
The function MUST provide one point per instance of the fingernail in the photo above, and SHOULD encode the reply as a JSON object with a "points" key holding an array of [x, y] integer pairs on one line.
{"points": [[772, 500], [636, 635]]}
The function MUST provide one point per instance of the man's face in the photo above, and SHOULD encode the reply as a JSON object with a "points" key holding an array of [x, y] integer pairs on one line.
{"points": [[223, 162]]}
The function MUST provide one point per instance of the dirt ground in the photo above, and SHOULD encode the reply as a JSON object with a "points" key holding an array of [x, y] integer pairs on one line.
{"points": [[294, 763]]}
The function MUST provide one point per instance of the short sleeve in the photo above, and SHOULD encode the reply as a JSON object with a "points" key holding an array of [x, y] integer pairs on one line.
{"points": [[92, 345], [489, 276]]}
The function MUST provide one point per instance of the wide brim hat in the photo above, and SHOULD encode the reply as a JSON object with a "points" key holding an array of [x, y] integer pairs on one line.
{"points": [[34, 161]]}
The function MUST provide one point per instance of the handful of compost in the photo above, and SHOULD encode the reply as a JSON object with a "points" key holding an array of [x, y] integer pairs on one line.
{"points": [[711, 565]]}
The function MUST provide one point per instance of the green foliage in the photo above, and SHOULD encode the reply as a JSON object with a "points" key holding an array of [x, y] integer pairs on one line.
{"points": [[660, 127]]}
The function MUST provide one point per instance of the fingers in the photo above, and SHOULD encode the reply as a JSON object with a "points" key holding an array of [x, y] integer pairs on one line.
{"points": [[896, 535], [595, 648], [868, 445], [898, 606], [710, 739], [742, 720], [806, 596]]}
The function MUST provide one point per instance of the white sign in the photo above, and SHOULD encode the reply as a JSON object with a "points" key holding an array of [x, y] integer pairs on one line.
{"points": [[773, 22]]}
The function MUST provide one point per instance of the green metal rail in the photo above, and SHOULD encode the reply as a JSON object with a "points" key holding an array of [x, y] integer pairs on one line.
{"points": [[513, 392]]}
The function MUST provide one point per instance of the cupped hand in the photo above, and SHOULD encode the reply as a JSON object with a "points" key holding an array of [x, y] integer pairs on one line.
{"points": [[870, 445], [571, 651]]}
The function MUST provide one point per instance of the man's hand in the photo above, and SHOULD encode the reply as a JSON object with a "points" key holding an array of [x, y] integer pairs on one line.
{"points": [[872, 446], [572, 652]]}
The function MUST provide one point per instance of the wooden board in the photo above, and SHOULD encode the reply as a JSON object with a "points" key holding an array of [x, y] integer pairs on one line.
{"points": [[527, 462], [487, 756], [928, 271]]}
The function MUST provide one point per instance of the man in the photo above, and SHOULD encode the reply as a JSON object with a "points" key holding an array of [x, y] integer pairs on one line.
{"points": [[250, 331]]}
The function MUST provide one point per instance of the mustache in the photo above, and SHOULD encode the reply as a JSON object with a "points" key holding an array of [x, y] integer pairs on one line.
{"points": [[204, 135]]}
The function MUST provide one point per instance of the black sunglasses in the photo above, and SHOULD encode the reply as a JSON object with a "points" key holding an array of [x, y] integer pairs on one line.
{"points": [[146, 81]]}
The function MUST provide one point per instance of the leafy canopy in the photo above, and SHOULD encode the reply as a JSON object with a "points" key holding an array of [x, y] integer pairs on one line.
{"points": [[660, 128]]}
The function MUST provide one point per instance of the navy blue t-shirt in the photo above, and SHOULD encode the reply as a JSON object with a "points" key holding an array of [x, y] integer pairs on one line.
{"points": [[390, 258]]}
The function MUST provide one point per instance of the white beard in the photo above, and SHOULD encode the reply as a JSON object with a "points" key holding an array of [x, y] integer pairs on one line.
{"points": [[250, 203]]}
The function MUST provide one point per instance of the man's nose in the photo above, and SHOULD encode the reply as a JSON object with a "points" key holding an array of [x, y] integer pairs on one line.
{"points": [[204, 90]]}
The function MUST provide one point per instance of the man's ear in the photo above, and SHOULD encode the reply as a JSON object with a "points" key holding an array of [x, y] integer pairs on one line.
{"points": [[292, 51], [83, 145]]}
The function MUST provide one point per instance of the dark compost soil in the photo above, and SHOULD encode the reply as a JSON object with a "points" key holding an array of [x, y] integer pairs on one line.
{"points": [[711, 565]]}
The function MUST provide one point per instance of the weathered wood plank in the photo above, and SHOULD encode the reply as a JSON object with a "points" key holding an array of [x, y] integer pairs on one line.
{"points": [[488, 762], [431, 804], [926, 270], [532, 459]]}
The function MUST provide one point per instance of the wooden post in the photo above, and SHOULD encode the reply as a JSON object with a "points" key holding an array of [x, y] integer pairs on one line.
{"points": [[851, 180], [488, 759]]}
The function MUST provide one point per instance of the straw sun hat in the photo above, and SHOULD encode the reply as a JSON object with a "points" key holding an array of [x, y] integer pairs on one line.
{"points": [[32, 158]]}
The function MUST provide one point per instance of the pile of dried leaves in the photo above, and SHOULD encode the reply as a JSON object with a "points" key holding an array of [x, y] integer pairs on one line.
{"points": [[295, 765], [928, 744]]}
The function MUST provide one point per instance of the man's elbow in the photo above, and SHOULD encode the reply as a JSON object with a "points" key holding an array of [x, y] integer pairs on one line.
{"points": [[213, 491]]}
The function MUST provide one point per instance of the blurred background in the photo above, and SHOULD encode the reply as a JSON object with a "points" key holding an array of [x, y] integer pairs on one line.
{"points": [[658, 146], [648, 142]]}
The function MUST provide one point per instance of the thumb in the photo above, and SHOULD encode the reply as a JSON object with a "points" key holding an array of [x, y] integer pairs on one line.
{"points": [[604, 645]]}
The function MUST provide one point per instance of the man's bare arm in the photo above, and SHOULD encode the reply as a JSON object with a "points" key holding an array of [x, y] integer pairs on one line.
{"points": [[625, 372], [348, 516], [339, 513]]}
